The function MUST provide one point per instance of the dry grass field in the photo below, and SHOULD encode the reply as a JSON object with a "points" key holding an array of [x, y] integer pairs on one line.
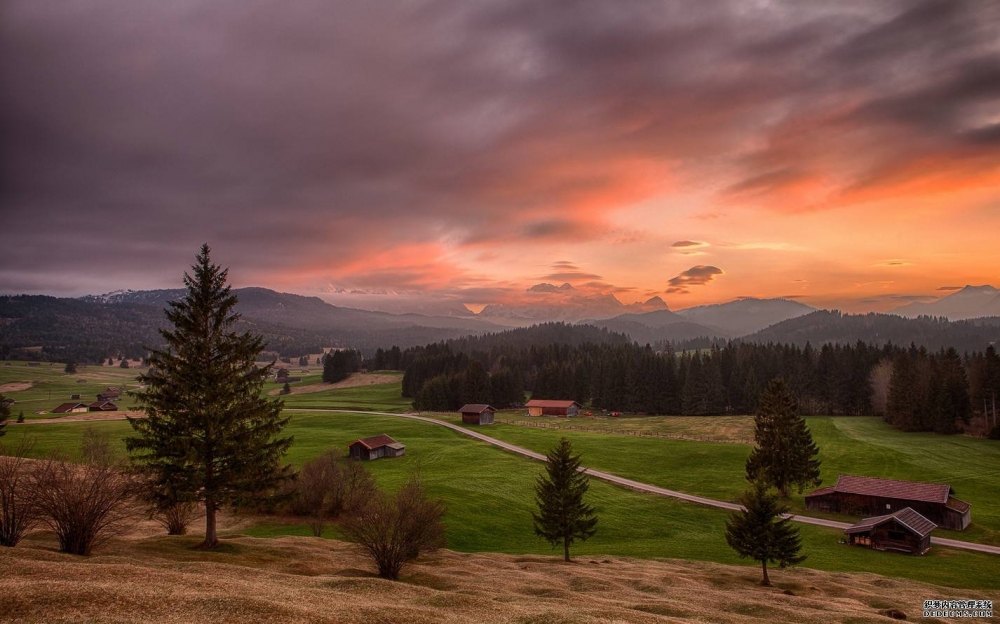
{"points": [[356, 380], [302, 579]]}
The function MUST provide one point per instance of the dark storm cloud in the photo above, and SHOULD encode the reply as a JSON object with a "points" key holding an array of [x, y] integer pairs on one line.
{"points": [[307, 134], [699, 275]]}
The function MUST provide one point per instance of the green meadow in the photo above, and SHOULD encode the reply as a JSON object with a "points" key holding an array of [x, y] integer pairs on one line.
{"points": [[48, 386], [489, 493]]}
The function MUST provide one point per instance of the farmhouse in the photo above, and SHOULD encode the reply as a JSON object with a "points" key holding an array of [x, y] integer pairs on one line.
{"points": [[376, 447], [904, 530], [542, 407], [477, 414], [868, 496], [67, 408], [103, 406]]}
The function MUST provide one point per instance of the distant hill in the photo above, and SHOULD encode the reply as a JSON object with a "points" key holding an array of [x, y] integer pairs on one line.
{"points": [[97, 327], [969, 302], [745, 316], [538, 336], [825, 326], [662, 325]]}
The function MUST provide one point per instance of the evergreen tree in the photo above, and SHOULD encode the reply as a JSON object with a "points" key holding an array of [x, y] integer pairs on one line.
{"points": [[562, 516], [70, 368], [760, 533], [785, 454], [209, 436]]}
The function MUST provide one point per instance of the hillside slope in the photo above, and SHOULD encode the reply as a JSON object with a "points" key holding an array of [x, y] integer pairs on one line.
{"points": [[161, 579]]}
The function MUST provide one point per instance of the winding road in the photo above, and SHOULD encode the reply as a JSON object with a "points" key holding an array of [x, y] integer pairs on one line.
{"points": [[638, 485]]}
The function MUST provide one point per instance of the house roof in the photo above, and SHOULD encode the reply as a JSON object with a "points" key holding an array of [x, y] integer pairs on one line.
{"points": [[375, 442], [476, 408], [67, 407], [920, 525], [101, 404], [888, 488], [547, 403]]}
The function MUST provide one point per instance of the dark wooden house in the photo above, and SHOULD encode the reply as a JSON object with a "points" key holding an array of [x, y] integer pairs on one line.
{"points": [[477, 414], [904, 530], [111, 394], [543, 407], [102, 406], [376, 447], [68, 408], [869, 496]]}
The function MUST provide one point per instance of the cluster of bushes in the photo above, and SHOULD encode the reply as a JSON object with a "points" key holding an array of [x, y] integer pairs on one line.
{"points": [[391, 528], [83, 503]]}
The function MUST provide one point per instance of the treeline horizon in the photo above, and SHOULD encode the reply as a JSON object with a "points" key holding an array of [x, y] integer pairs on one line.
{"points": [[912, 387]]}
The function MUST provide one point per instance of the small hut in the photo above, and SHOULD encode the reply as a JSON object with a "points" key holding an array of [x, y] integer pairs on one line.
{"points": [[375, 447], [477, 414], [543, 407], [904, 531], [70, 408], [102, 406]]}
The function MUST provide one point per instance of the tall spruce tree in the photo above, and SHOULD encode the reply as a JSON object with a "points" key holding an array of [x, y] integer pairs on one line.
{"points": [[759, 532], [563, 517], [785, 454], [209, 436]]}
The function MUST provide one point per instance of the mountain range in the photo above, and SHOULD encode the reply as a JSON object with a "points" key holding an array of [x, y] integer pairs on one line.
{"points": [[965, 303], [122, 322]]}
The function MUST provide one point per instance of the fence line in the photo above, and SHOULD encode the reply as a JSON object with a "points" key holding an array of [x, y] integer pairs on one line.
{"points": [[627, 432]]}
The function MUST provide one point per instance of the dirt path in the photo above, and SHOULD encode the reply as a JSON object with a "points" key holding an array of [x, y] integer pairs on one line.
{"points": [[354, 381], [85, 417]]}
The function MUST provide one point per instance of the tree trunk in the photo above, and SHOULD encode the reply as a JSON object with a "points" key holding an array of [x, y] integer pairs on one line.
{"points": [[211, 537], [766, 582], [566, 548]]}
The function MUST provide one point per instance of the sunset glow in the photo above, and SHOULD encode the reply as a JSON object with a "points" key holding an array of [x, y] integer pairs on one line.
{"points": [[844, 156]]}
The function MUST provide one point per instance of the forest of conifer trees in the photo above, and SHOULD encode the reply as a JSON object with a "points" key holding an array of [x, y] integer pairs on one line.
{"points": [[912, 388]]}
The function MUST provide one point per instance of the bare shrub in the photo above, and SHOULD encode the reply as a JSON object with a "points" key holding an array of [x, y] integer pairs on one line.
{"points": [[329, 485], [395, 529], [86, 504], [176, 517], [18, 513]]}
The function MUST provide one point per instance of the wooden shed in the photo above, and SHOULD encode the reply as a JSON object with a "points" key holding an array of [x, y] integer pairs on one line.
{"points": [[375, 447], [544, 407], [102, 406], [69, 408], [870, 496], [477, 414], [904, 531]]}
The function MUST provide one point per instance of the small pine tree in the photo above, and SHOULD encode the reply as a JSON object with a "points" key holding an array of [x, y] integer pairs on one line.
{"points": [[286, 389], [758, 532], [70, 368], [209, 436], [20, 417], [562, 516], [785, 454]]}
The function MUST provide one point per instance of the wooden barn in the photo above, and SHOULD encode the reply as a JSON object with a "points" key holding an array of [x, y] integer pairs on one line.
{"points": [[110, 394], [102, 406], [70, 408], [477, 414], [870, 496], [904, 530], [543, 407], [376, 447]]}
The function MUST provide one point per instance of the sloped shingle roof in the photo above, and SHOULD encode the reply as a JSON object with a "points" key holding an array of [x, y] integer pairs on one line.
{"points": [[476, 408], [547, 403], [375, 442], [907, 517], [889, 488]]}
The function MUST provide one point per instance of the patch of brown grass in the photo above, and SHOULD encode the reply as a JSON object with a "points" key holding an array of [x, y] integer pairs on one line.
{"points": [[16, 386], [164, 579], [356, 380]]}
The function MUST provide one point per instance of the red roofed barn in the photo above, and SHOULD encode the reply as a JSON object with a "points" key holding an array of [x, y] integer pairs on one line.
{"points": [[869, 496], [543, 407]]}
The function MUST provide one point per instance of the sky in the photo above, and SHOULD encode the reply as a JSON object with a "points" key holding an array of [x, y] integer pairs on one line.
{"points": [[844, 154]]}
